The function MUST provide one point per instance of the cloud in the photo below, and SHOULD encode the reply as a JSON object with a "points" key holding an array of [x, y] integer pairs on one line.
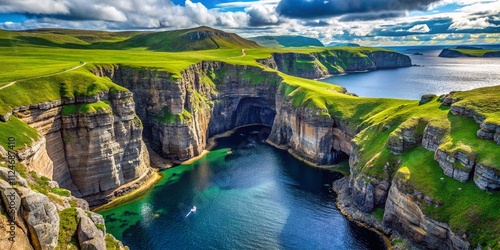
{"points": [[419, 28], [34, 6], [324, 8], [372, 16], [123, 14], [261, 15]]}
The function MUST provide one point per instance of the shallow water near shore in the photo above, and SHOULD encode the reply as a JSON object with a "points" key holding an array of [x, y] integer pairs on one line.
{"points": [[248, 195]]}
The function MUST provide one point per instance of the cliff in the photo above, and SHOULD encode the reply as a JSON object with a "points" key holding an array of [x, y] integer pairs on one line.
{"points": [[335, 61], [88, 144], [208, 98], [469, 52]]}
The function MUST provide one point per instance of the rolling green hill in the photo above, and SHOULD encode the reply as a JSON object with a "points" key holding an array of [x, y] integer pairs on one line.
{"points": [[286, 41], [201, 38]]}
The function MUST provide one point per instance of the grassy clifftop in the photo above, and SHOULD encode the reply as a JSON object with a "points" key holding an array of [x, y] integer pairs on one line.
{"points": [[373, 120]]}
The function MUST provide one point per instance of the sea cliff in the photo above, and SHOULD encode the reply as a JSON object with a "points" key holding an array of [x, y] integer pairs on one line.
{"points": [[93, 144]]}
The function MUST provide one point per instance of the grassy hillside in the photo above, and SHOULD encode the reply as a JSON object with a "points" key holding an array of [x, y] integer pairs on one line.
{"points": [[201, 38], [286, 41]]}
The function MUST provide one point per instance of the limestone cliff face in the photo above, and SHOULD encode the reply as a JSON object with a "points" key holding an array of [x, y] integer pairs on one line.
{"points": [[387, 60], [206, 99], [106, 149], [87, 153], [304, 132], [303, 65], [403, 213], [320, 64]]}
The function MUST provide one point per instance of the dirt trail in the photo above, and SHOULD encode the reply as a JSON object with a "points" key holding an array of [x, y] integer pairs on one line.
{"points": [[35, 77]]}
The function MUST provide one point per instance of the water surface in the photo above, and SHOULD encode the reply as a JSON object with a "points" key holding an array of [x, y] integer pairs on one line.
{"points": [[436, 76], [258, 197]]}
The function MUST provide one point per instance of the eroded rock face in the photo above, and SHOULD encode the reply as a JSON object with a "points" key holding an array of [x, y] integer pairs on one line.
{"points": [[404, 214], [457, 165], [487, 178], [89, 236], [387, 60], [106, 147], [42, 219], [303, 131], [369, 193], [86, 153], [302, 65], [433, 137], [211, 97], [406, 136]]}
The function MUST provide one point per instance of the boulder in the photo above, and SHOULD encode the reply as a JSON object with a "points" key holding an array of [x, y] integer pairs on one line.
{"points": [[42, 219], [89, 236]]}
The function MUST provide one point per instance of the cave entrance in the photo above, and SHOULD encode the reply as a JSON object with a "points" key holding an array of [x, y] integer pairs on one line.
{"points": [[336, 157], [253, 110]]}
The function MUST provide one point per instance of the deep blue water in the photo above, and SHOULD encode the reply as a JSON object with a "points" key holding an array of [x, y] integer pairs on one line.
{"points": [[437, 76], [258, 197]]}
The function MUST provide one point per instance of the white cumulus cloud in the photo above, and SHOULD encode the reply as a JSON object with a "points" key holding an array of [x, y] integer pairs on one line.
{"points": [[420, 28]]}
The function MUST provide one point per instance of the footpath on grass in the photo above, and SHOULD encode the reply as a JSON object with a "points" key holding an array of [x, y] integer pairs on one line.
{"points": [[35, 77]]}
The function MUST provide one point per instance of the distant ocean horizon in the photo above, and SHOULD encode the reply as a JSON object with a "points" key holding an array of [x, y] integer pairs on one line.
{"points": [[434, 75]]}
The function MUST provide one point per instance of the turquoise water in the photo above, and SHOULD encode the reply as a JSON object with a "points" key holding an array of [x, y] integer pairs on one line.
{"points": [[257, 197], [436, 76]]}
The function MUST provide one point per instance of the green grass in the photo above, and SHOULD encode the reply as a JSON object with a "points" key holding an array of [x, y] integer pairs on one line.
{"points": [[61, 192], [463, 136], [475, 52], [379, 213], [464, 206], [484, 101], [14, 127], [86, 108], [67, 229], [168, 118], [112, 243]]}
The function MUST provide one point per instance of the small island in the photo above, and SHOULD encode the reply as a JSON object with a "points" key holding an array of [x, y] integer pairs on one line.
{"points": [[469, 51]]}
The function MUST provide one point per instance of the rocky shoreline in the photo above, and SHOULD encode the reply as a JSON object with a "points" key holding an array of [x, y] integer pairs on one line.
{"points": [[345, 204]]}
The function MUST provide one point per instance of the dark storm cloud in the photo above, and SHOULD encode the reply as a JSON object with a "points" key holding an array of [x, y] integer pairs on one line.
{"points": [[371, 16], [323, 8]]}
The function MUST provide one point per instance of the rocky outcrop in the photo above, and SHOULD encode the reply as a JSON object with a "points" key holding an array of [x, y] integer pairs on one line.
{"points": [[487, 178], [406, 136], [489, 130], [106, 146], [457, 165], [41, 217], [369, 193], [89, 236], [433, 136], [404, 214], [492, 54], [457, 53], [32, 220], [306, 132], [452, 53]]}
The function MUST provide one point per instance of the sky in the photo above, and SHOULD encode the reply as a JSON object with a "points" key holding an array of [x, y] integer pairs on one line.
{"points": [[366, 22]]}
